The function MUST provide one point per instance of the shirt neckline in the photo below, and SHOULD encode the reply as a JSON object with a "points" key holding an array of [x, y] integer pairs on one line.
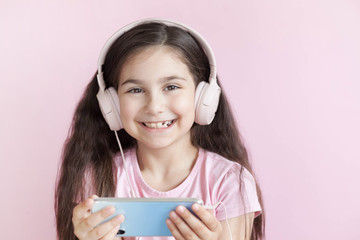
{"points": [[173, 192]]}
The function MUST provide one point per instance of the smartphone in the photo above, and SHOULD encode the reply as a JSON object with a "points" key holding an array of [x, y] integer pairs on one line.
{"points": [[143, 216]]}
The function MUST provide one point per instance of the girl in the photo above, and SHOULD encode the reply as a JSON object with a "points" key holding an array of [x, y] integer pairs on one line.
{"points": [[155, 71]]}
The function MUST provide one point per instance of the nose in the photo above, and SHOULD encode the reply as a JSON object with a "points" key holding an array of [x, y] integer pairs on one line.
{"points": [[155, 104]]}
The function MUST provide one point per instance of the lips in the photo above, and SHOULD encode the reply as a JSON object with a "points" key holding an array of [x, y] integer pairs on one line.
{"points": [[164, 124]]}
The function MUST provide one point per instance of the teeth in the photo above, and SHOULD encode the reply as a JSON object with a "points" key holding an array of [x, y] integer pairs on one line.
{"points": [[159, 124]]}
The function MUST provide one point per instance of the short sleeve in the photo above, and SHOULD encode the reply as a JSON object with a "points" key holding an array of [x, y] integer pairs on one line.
{"points": [[238, 195]]}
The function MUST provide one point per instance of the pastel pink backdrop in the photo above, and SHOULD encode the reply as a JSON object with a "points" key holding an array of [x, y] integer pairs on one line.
{"points": [[290, 68]]}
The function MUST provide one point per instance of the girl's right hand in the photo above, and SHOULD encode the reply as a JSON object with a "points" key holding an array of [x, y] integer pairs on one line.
{"points": [[85, 223]]}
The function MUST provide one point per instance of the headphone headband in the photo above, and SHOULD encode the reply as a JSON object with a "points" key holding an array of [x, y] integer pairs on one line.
{"points": [[206, 47]]}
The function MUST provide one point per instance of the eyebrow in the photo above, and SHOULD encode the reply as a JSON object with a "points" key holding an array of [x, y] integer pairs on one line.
{"points": [[164, 79]]}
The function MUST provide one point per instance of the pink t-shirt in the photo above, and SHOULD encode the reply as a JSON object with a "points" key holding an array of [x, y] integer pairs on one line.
{"points": [[213, 179]]}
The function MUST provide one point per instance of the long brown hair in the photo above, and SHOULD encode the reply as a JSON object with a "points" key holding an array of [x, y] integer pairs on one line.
{"points": [[89, 149]]}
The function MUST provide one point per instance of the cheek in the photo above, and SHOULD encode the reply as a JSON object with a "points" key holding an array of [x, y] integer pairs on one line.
{"points": [[127, 109], [185, 104]]}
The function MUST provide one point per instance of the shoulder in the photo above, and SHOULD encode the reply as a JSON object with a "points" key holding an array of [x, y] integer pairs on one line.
{"points": [[228, 171], [219, 165], [232, 184], [223, 173]]}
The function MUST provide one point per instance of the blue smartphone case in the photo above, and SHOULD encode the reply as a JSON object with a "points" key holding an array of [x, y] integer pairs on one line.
{"points": [[143, 216]]}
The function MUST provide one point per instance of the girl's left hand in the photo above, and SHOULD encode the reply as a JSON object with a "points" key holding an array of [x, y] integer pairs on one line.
{"points": [[185, 226]]}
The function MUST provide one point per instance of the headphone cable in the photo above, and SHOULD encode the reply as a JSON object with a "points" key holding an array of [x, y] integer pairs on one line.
{"points": [[123, 160]]}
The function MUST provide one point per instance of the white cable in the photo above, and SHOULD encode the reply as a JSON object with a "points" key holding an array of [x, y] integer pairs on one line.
{"points": [[226, 217], [126, 173], [123, 160]]}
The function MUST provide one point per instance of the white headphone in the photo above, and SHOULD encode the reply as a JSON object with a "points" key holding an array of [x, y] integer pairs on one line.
{"points": [[206, 96]]}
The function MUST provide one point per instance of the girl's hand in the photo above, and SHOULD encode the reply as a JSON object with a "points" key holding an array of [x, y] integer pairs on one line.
{"points": [[185, 226], [85, 223]]}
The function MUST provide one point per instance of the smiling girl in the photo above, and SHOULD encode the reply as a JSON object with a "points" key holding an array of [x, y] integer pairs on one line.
{"points": [[157, 70]]}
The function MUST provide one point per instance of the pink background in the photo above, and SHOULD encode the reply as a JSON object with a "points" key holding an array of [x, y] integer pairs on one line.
{"points": [[291, 69]]}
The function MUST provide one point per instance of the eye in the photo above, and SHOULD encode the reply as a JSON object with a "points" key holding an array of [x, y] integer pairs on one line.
{"points": [[135, 90], [171, 87]]}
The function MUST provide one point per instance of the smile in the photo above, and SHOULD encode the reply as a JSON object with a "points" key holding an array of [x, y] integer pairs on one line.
{"points": [[158, 124]]}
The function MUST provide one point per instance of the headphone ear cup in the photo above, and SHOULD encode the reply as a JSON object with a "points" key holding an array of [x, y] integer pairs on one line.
{"points": [[110, 108], [206, 102]]}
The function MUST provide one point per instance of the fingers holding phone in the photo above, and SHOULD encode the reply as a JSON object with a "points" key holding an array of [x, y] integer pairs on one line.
{"points": [[183, 224], [86, 224]]}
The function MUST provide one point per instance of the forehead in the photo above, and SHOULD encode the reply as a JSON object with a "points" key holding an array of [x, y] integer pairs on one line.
{"points": [[154, 58], [145, 52]]}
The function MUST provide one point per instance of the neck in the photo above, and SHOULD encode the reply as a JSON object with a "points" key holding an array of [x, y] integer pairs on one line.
{"points": [[162, 162]]}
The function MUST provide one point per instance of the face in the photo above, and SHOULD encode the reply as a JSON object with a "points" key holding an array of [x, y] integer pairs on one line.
{"points": [[157, 94]]}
